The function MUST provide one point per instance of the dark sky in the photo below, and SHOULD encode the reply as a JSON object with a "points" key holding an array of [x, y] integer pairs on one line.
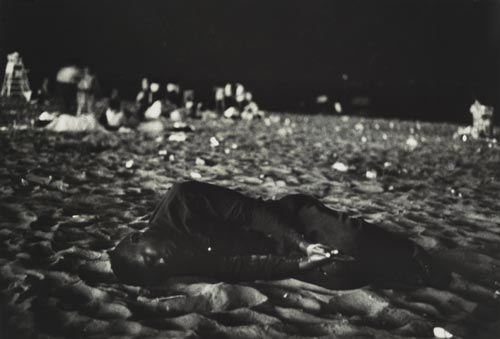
{"points": [[284, 50]]}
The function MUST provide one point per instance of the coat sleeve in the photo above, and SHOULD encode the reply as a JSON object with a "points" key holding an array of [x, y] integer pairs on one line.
{"points": [[269, 219]]}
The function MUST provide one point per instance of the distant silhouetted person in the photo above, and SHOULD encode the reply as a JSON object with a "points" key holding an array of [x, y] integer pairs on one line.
{"points": [[144, 98], [240, 97], [67, 78], [219, 100], [229, 96], [173, 94], [189, 104], [87, 89], [230, 105], [155, 109], [43, 95], [115, 101], [113, 118]]}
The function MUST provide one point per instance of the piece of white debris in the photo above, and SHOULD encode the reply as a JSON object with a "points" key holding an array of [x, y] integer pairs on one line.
{"points": [[371, 174], [441, 333], [179, 137], [339, 166], [195, 175], [214, 142], [411, 143]]}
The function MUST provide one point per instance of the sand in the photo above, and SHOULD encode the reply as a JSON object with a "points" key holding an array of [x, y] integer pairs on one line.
{"points": [[66, 199]]}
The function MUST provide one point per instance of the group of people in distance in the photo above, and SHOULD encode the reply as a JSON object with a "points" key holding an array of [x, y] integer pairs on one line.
{"points": [[74, 83], [235, 102], [231, 101], [154, 102]]}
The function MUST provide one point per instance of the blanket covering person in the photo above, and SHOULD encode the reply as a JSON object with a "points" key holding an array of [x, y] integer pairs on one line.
{"points": [[205, 230], [71, 123]]}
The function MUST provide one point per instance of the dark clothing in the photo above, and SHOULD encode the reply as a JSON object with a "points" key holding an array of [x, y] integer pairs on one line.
{"points": [[115, 103], [174, 98], [43, 95], [227, 234], [213, 215], [144, 100], [240, 105], [229, 101], [218, 232], [219, 106], [67, 96]]}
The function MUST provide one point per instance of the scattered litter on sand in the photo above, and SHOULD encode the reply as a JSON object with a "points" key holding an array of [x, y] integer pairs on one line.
{"points": [[68, 198]]}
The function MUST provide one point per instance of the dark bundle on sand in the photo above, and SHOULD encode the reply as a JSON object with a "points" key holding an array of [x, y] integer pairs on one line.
{"points": [[208, 230]]}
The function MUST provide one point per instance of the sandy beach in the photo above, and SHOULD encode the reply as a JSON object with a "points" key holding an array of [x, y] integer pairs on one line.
{"points": [[67, 199]]}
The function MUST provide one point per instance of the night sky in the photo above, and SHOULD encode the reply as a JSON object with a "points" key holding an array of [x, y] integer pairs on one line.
{"points": [[407, 55]]}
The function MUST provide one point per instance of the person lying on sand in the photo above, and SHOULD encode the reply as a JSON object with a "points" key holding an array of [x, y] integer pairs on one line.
{"points": [[69, 123], [200, 229]]}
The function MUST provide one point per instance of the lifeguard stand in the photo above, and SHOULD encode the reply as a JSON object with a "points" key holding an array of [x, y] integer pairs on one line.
{"points": [[15, 82]]}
